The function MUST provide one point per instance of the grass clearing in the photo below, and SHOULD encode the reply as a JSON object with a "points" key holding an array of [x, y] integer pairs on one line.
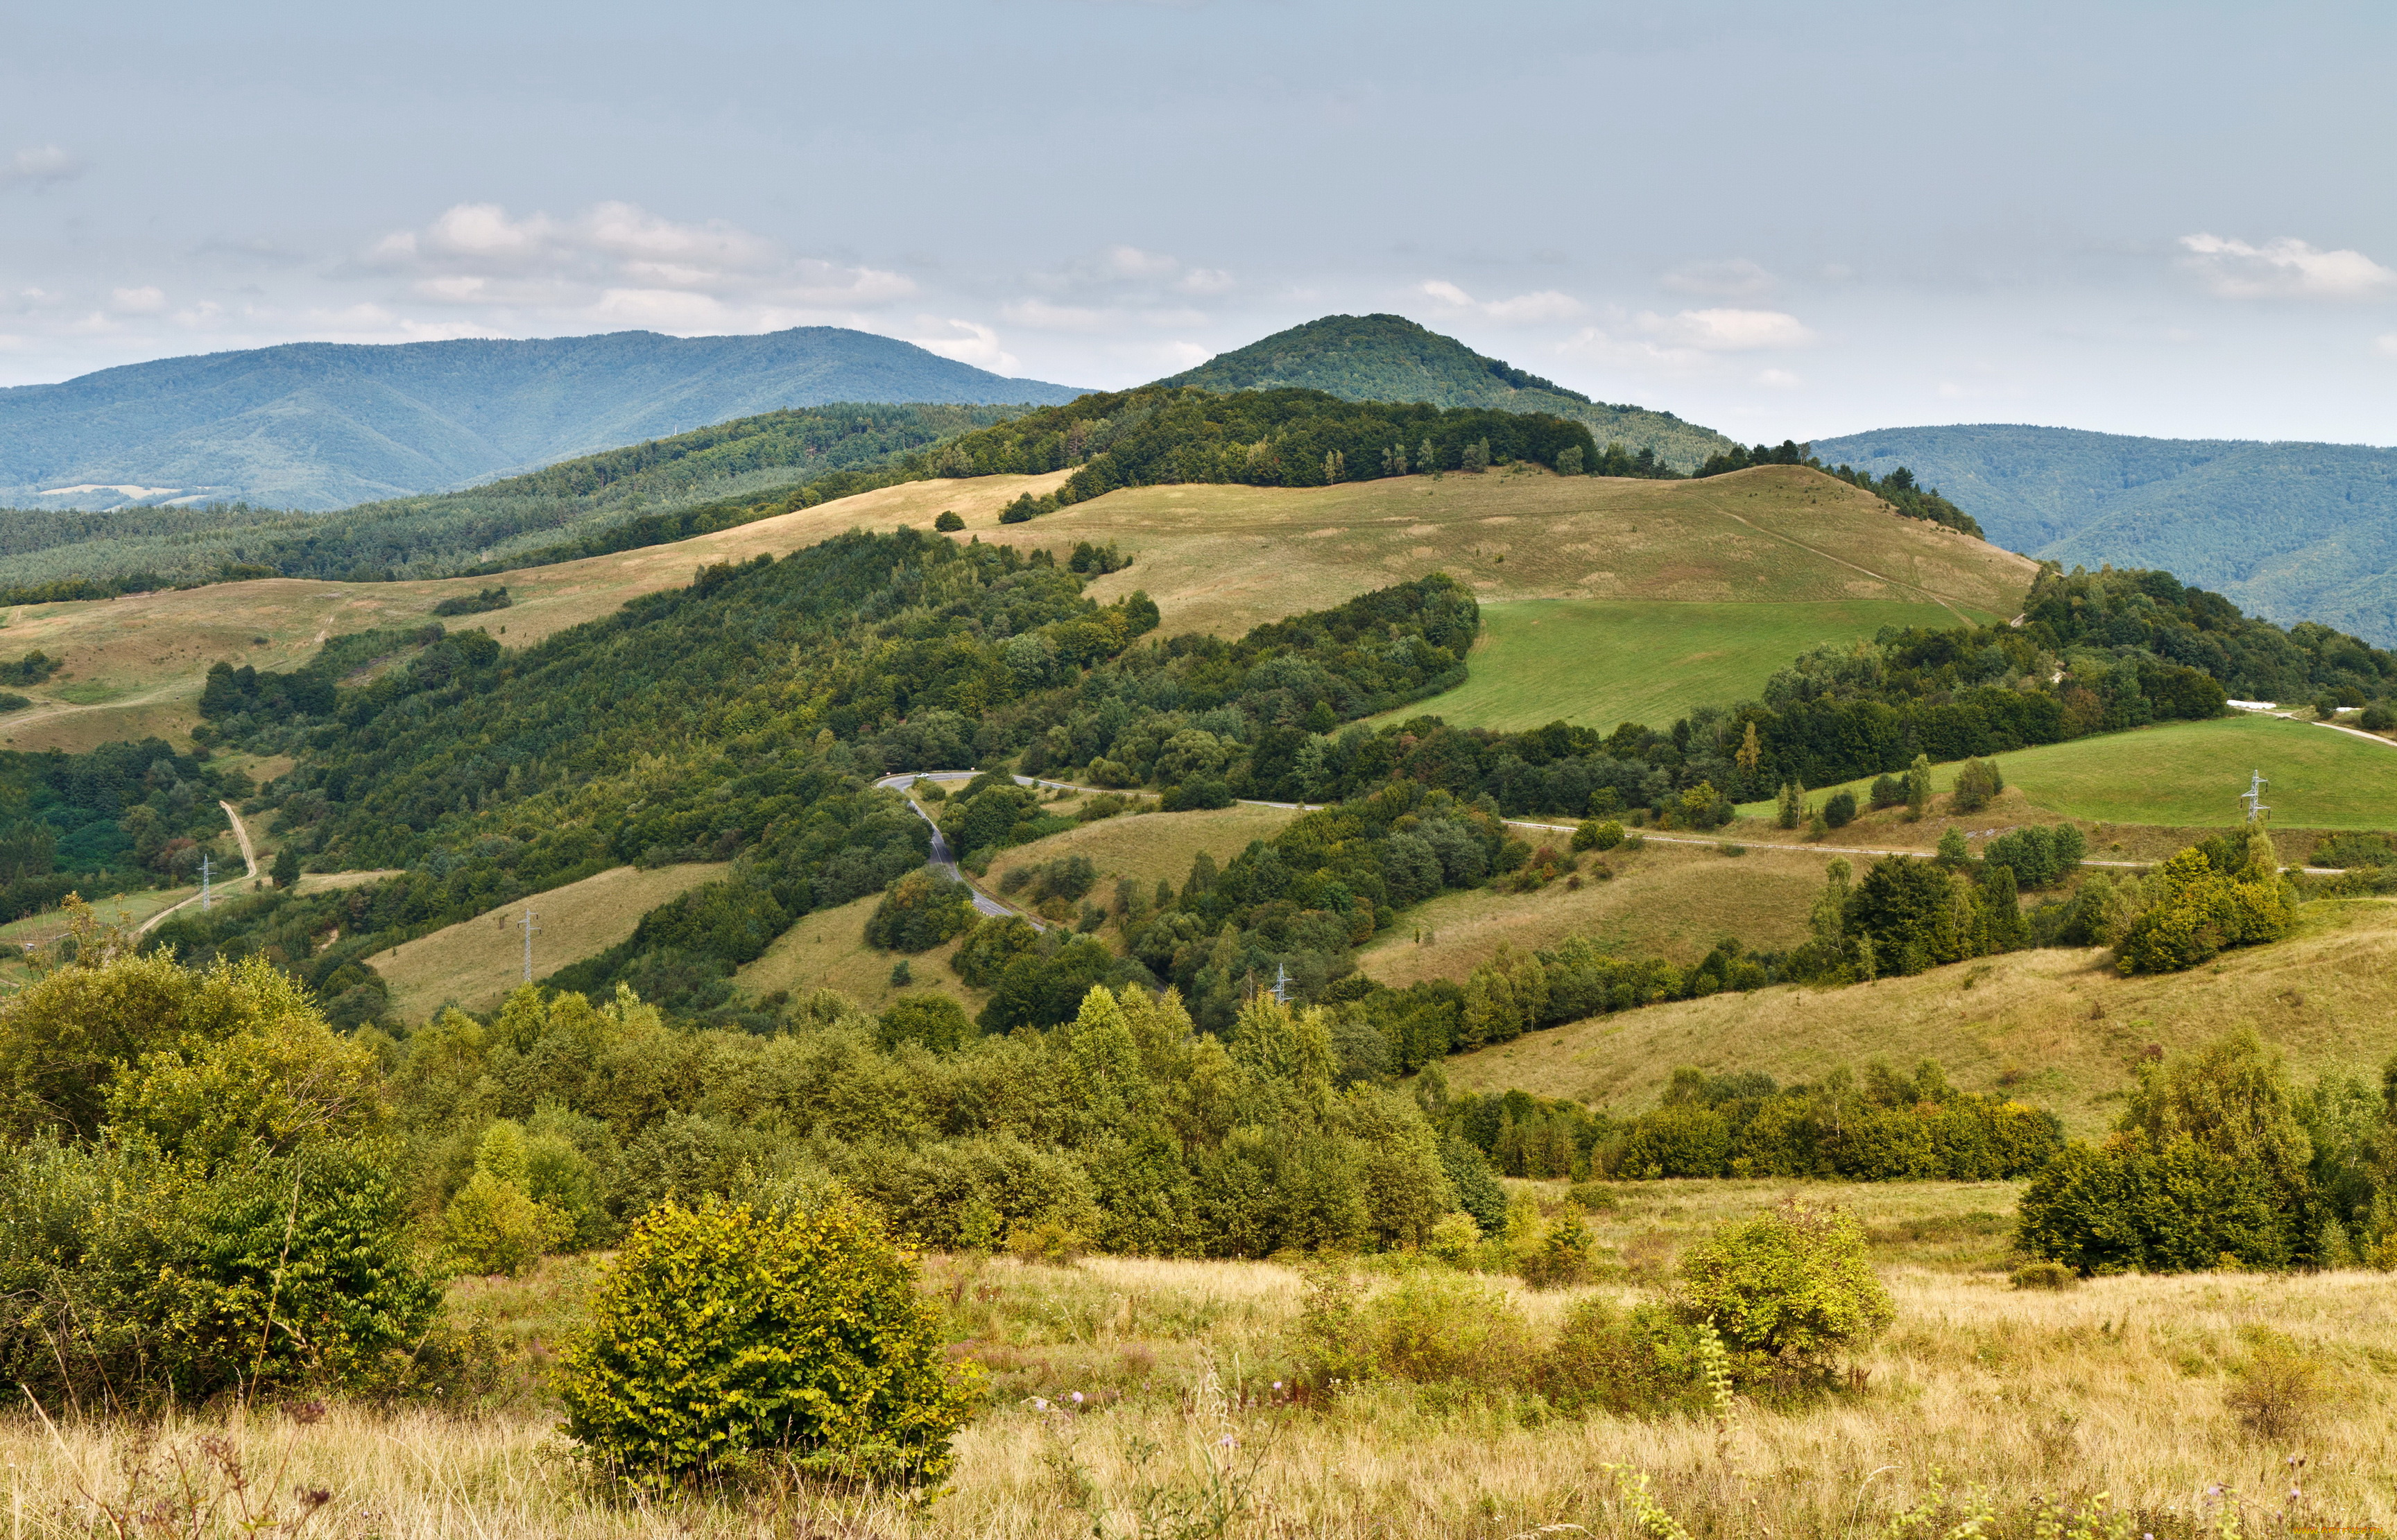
{"points": [[2058, 1028], [1149, 848], [2117, 1386], [477, 961], [828, 950], [1668, 901], [2190, 775], [1598, 662]]}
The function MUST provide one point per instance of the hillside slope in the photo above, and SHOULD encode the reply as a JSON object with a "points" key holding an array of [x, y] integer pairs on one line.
{"points": [[2292, 531], [322, 424], [2056, 1027], [1391, 358]]}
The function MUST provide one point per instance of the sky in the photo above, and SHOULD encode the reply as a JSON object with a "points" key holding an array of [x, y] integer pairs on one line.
{"points": [[1782, 220]]}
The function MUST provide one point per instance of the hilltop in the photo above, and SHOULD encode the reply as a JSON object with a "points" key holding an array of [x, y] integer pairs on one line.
{"points": [[320, 425], [1391, 358], [2292, 531]]}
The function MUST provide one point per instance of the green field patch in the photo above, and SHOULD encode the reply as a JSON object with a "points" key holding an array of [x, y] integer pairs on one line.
{"points": [[2190, 774], [1597, 662], [88, 692]]}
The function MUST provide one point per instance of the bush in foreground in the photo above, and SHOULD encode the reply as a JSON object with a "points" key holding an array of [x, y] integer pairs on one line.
{"points": [[1789, 1291], [721, 1336]]}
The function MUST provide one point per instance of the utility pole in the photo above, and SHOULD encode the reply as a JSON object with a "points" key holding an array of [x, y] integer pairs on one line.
{"points": [[1281, 985], [531, 930], [2254, 797], [204, 881]]}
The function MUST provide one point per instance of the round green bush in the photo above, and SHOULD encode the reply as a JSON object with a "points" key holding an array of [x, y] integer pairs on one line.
{"points": [[721, 1336], [1788, 1289]]}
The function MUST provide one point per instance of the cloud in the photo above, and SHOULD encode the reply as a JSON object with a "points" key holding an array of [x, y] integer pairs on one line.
{"points": [[1043, 316], [1726, 330], [1778, 379], [966, 341], [1545, 304], [2284, 268], [2386, 344], [1728, 279], [618, 264], [145, 301], [40, 168]]}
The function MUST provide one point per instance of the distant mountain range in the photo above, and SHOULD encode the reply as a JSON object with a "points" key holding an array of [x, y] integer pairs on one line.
{"points": [[2291, 531], [319, 425], [1391, 358]]}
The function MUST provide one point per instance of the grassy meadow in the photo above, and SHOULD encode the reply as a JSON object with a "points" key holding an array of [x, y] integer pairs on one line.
{"points": [[477, 961], [1224, 558], [1598, 662], [2191, 774], [1187, 1424], [1667, 901], [2058, 1028]]}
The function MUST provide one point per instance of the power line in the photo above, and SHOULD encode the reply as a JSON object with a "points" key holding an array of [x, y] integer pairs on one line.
{"points": [[2254, 797], [530, 930]]}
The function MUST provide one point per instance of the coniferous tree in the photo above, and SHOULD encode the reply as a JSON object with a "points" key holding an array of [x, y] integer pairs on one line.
{"points": [[1918, 787]]}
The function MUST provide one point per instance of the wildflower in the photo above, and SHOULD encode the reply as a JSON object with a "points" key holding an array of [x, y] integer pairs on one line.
{"points": [[1040, 1405], [1078, 1397], [1228, 1442]]}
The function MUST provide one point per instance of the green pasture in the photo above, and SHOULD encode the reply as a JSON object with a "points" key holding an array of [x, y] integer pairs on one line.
{"points": [[2190, 775], [1598, 662]]}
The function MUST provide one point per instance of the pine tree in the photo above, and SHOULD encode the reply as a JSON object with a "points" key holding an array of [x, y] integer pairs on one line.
{"points": [[1427, 459], [286, 869], [1310, 770], [1793, 801], [1750, 751]]}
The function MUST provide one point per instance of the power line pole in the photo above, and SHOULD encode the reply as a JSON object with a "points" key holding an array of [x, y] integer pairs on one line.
{"points": [[2254, 797], [205, 898], [1281, 985], [531, 930]]}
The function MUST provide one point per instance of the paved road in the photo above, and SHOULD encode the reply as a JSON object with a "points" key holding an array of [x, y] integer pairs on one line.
{"points": [[944, 860]]}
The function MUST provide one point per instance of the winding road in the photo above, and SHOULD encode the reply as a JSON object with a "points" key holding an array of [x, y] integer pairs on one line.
{"points": [[248, 859]]}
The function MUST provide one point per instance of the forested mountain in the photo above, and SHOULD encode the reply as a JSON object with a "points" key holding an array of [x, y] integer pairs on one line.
{"points": [[2294, 531], [319, 425], [664, 490], [1391, 358]]}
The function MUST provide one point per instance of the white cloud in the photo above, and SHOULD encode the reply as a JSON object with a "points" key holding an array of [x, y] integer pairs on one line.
{"points": [[1204, 280], [1728, 279], [2286, 267], [145, 301], [1043, 316], [1778, 379], [1131, 262], [615, 263], [2386, 344], [1723, 330], [39, 168], [967, 341], [1545, 304]]}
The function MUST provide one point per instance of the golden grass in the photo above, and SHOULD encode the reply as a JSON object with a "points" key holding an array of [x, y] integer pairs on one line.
{"points": [[2117, 1386], [477, 961], [1149, 848], [1224, 558], [135, 664], [828, 950], [2055, 1027], [1668, 901]]}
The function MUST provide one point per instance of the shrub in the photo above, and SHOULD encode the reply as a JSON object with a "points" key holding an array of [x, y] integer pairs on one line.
{"points": [[1634, 1366], [1598, 835], [1841, 810], [1977, 785], [1431, 1328], [719, 1336], [1788, 1290], [1887, 792], [918, 912], [2043, 1275], [2378, 717], [2278, 1389], [494, 1226], [1454, 1237], [948, 521]]}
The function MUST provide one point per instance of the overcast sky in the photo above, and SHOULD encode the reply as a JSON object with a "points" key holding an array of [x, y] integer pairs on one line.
{"points": [[1776, 218]]}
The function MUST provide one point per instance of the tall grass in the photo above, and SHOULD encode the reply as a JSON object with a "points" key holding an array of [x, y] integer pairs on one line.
{"points": [[2128, 1386]]}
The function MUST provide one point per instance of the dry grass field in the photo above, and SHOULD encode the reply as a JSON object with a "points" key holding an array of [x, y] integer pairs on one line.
{"points": [[828, 950], [1150, 848], [477, 961], [1223, 558], [2120, 1386], [1668, 901], [2055, 1027]]}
